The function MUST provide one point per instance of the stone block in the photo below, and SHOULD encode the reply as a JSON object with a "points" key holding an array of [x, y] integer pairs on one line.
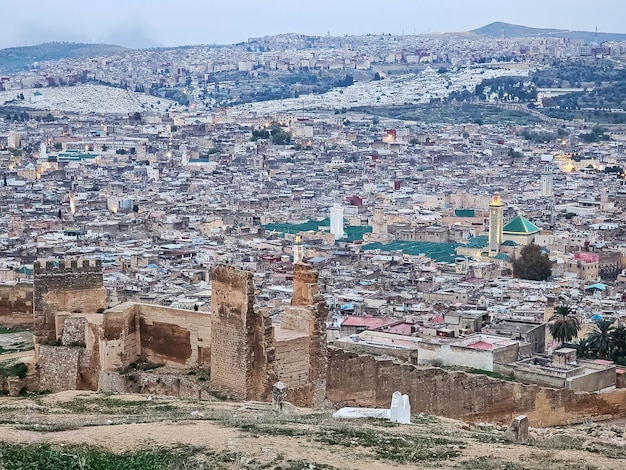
{"points": [[518, 430], [279, 392]]}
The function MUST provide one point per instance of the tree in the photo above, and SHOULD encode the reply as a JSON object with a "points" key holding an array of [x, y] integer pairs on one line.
{"points": [[600, 338], [583, 349], [564, 326], [532, 264], [618, 345]]}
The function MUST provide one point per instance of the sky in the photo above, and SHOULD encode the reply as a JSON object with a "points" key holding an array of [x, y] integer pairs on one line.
{"points": [[160, 23]]}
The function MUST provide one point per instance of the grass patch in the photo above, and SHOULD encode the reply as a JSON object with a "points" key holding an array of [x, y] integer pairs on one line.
{"points": [[141, 366], [302, 465], [493, 375], [5, 330], [489, 463], [399, 448], [11, 370], [47, 457]]}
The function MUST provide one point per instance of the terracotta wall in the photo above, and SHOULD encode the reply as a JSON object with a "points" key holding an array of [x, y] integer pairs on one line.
{"points": [[16, 305], [360, 380]]}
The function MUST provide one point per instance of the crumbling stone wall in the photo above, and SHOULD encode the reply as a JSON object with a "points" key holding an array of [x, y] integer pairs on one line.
{"points": [[362, 380], [59, 368], [242, 350], [16, 305], [304, 367], [64, 287]]}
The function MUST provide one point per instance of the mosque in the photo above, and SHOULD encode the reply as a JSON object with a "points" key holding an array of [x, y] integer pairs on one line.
{"points": [[519, 231]]}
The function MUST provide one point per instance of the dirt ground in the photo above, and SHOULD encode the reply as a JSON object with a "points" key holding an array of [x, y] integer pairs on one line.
{"points": [[257, 435]]}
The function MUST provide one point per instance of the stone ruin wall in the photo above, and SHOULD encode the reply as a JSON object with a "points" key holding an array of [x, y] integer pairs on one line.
{"points": [[64, 287], [363, 380], [242, 342], [246, 359], [16, 305], [307, 314]]}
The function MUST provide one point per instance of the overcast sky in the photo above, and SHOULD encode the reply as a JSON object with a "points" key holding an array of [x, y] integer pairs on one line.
{"points": [[150, 23]]}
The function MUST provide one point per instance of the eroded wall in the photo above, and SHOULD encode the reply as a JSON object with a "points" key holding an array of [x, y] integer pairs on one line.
{"points": [[361, 380], [242, 350], [16, 305], [68, 287]]}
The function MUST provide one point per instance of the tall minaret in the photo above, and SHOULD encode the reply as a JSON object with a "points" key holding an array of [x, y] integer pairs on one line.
{"points": [[547, 182], [378, 226], [43, 155], [298, 250], [336, 221], [496, 211]]}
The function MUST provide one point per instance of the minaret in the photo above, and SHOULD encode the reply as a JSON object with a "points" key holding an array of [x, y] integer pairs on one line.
{"points": [[43, 154], [547, 182], [496, 211], [298, 250], [379, 227], [336, 221]]}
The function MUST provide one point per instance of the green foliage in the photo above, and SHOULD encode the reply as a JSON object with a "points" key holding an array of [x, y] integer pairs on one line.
{"points": [[5, 330], [583, 349], [507, 89], [564, 326], [19, 369], [532, 264], [47, 457], [600, 339], [141, 365], [400, 448], [488, 463], [597, 134]]}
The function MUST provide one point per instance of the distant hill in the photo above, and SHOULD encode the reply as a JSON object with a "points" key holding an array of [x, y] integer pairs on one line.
{"points": [[498, 28], [15, 59]]}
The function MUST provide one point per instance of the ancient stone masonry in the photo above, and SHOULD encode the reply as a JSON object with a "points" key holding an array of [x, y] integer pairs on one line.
{"points": [[16, 305], [248, 353], [242, 349], [362, 380], [62, 286]]}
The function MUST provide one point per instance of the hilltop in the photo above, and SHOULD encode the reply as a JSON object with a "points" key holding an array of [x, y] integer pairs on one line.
{"points": [[15, 59], [100, 431], [498, 29]]}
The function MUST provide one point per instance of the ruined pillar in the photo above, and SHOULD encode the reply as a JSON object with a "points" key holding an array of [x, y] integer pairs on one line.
{"points": [[241, 339]]}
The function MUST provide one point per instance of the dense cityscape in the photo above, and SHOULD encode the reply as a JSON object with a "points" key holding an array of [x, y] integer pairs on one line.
{"points": [[452, 204]]}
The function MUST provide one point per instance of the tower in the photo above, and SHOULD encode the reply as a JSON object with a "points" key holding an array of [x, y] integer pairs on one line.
{"points": [[336, 221], [43, 155], [496, 211], [298, 250], [379, 227], [547, 182]]}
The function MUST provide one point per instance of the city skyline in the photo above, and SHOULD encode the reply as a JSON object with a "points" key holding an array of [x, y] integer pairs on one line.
{"points": [[158, 23]]}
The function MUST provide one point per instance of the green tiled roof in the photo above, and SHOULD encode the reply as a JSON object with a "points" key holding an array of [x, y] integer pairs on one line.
{"points": [[481, 241], [520, 224], [465, 212], [503, 256], [439, 252], [352, 232]]}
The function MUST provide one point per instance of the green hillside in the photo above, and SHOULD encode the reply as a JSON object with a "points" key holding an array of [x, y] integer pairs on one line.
{"points": [[14, 59]]}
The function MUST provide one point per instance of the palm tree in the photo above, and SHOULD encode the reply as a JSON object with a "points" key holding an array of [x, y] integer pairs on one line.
{"points": [[600, 339], [564, 326], [583, 349], [618, 344]]}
